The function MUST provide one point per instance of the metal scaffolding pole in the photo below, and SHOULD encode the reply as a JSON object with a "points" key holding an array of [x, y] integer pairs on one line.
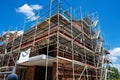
{"points": [[103, 57], [84, 44], [57, 78], [48, 40]]}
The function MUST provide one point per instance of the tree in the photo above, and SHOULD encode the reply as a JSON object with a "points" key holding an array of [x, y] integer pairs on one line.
{"points": [[113, 73]]}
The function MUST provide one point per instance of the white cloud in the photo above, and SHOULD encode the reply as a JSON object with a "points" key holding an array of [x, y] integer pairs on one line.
{"points": [[36, 7], [18, 32], [114, 59], [115, 52], [114, 55], [29, 11]]}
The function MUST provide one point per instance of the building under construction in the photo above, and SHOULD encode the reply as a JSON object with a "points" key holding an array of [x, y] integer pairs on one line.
{"points": [[57, 46]]}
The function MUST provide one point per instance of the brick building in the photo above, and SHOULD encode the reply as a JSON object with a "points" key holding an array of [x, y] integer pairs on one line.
{"points": [[57, 47]]}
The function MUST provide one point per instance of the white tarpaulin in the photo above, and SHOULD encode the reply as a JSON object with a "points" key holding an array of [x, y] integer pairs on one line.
{"points": [[24, 56], [99, 46], [94, 23], [90, 22], [96, 35]]}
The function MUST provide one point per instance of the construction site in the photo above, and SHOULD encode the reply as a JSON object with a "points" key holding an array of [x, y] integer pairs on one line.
{"points": [[58, 45]]}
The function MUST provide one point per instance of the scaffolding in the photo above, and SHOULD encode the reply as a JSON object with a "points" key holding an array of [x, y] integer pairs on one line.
{"points": [[72, 47]]}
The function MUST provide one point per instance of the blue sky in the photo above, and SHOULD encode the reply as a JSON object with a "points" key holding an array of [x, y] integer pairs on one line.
{"points": [[108, 12]]}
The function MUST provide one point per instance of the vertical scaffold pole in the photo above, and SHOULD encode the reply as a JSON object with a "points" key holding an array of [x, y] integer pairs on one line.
{"points": [[19, 49], [7, 38], [48, 40], [36, 26], [86, 69], [101, 74], [58, 39], [72, 45]]}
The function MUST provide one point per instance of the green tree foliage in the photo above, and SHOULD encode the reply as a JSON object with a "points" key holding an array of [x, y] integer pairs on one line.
{"points": [[113, 73]]}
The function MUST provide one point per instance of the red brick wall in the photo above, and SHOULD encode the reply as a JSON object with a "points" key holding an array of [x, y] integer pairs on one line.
{"points": [[30, 73]]}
